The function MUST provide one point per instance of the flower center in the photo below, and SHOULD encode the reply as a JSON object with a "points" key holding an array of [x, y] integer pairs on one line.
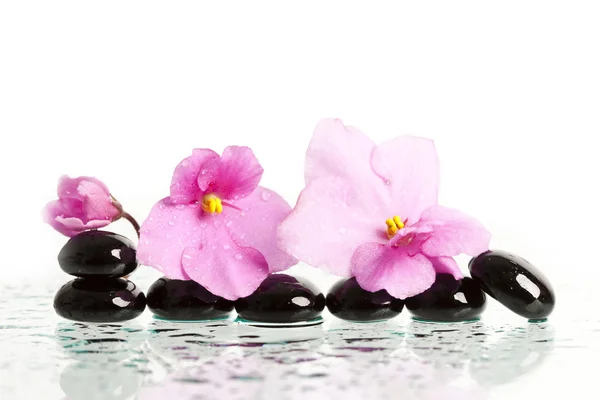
{"points": [[394, 225], [212, 204]]}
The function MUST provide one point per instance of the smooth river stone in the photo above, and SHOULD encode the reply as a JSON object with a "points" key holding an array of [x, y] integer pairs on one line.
{"points": [[448, 300], [181, 300], [514, 282], [282, 299], [98, 254], [347, 300], [92, 300]]}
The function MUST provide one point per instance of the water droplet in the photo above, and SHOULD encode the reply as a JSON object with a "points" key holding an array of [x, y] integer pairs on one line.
{"points": [[180, 206], [172, 223], [161, 206], [228, 223], [243, 236], [388, 182], [151, 219], [146, 242], [238, 256], [204, 171], [266, 195], [184, 163], [203, 225], [236, 197], [226, 247]]}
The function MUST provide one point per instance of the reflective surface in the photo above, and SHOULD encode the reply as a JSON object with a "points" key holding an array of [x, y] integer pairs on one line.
{"points": [[502, 356]]}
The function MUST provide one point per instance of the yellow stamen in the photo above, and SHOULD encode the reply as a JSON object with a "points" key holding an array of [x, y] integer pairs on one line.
{"points": [[212, 204], [394, 225]]}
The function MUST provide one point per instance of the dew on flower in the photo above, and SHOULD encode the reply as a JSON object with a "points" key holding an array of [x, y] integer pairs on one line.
{"points": [[238, 256], [266, 195], [172, 223]]}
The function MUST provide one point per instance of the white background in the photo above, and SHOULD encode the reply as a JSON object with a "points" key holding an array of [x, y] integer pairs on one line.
{"points": [[510, 91]]}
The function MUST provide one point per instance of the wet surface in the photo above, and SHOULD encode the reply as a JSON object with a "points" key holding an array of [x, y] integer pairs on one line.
{"points": [[496, 357]]}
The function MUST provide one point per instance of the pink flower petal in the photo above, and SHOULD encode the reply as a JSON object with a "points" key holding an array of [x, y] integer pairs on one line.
{"points": [[167, 231], [410, 167], [54, 215], [446, 265], [256, 225], [453, 233], [378, 266], [184, 185], [339, 151], [236, 174], [234, 273], [328, 225], [86, 198], [184, 243]]}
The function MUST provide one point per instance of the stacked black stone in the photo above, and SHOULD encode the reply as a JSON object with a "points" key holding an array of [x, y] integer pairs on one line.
{"points": [[101, 261]]}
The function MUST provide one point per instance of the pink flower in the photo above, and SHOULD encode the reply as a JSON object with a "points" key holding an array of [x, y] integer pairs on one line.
{"points": [[218, 227], [83, 203], [372, 212]]}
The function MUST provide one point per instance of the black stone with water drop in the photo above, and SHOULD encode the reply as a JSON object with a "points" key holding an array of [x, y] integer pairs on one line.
{"points": [[92, 300], [347, 300], [185, 301], [448, 300], [282, 298], [514, 282], [98, 254], [99, 259]]}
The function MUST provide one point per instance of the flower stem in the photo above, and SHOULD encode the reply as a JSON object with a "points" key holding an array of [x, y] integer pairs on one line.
{"points": [[133, 222]]}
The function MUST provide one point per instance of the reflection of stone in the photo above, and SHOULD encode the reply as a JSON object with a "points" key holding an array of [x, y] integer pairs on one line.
{"points": [[96, 382], [109, 360], [181, 344], [515, 354]]}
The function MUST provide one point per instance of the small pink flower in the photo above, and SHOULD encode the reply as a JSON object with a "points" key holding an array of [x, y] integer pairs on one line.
{"points": [[83, 203], [218, 227], [372, 212]]}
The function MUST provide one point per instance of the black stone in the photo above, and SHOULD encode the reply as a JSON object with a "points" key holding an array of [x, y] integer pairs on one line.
{"points": [[448, 300], [514, 282], [185, 301], [98, 254], [347, 300], [282, 299], [92, 300]]}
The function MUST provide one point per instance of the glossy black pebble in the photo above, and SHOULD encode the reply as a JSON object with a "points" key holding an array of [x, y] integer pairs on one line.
{"points": [[185, 301], [98, 254], [448, 300], [282, 299], [514, 282], [91, 300], [347, 300]]}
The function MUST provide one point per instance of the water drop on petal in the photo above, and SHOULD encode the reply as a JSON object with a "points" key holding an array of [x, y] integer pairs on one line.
{"points": [[238, 256], [266, 195]]}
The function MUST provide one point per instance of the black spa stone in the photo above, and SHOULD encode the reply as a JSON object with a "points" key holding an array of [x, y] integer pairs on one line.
{"points": [[282, 299], [92, 300], [98, 254], [175, 299], [514, 282], [448, 300], [347, 300]]}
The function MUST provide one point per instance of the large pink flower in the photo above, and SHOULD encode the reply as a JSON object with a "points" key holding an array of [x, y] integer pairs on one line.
{"points": [[83, 203], [372, 212], [218, 227]]}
